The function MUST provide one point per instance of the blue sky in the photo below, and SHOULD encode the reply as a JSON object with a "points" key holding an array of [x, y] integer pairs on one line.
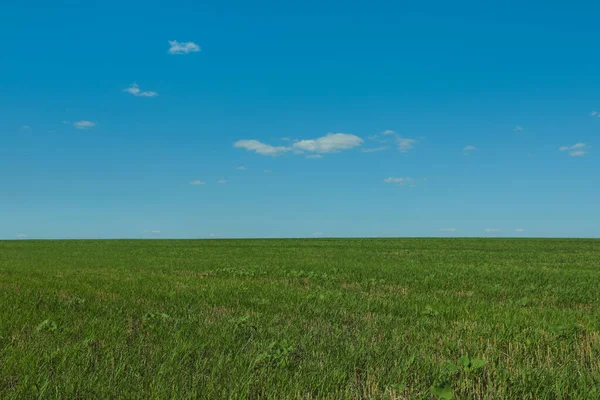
{"points": [[269, 119]]}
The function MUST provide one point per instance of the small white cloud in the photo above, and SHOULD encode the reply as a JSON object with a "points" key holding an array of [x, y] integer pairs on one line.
{"points": [[214, 235], [400, 181], [578, 153], [593, 113], [576, 150], [196, 183], [447, 229], [285, 139], [241, 168], [152, 232], [25, 128], [492, 230], [318, 234], [314, 156], [134, 89], [268, 170], [183, 47], [222, 181], [84, 124], [520, 230], [261, 148], [375, 149], [470, 148], [404, 144], [518, 128], [330, 143], [22, 236]]}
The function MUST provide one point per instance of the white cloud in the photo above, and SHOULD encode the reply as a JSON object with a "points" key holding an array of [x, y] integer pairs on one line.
{"points": [[318, 234], [22, 236], [268, 170], [373, 150], [520, 230], [400, 181], [593, 113], [404, 144], [84, 124], [183, 47], [285, 139], [518, 128], [222, 181], [470, 148], [330, 143], [214, 235], [314, 156], [577, 150], [25, 128], [492, 230], [134, 89], [241, 168], [196, 183], [261, 148], [152, 232], [447, 229]]}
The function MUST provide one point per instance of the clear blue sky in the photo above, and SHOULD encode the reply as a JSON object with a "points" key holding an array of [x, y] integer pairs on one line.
{"points": [[448, 119]]}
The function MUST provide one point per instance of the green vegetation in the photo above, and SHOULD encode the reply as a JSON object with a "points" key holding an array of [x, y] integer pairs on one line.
{"points": [[321, 318]]}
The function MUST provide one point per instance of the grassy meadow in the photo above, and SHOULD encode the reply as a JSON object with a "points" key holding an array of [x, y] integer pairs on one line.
{"points": [[314, 318]]}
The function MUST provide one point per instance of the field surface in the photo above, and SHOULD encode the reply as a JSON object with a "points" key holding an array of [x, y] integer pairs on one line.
{"points": [[322, 318]]}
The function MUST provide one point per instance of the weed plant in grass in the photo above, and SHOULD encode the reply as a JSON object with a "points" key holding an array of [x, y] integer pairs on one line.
{"points": [[324, 318]]}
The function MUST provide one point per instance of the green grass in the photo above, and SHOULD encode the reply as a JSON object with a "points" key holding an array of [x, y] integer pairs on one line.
{"points": [[324, 318]]}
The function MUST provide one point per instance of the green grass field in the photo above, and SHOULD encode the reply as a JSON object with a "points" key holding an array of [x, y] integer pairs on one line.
{"points": [[322, 318]]}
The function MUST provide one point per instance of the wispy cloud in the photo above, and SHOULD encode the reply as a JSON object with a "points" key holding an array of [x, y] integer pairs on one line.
{"points": [[577, 150], [152, 232], [404, 144], [330, 143], [318, 234], [222, 181], [84, 124], [183, 47], [241, 168], [285, 139], [518, 128], [594, 113], [400, 181], [25, 128], [520, 230], [470, 148], [214, 235], [374, 149], [261, 148], [135, 90], [268, 170], [492, 230], [197, 183], [22, 236], [447, 229], [314, 156]]}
